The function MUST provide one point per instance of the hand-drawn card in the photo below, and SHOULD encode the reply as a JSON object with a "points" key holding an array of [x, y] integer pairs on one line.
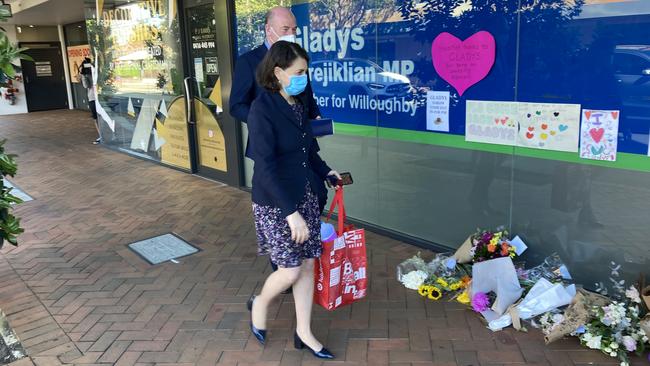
{"points": [[549, 126], [491, 122], [599, 134]]}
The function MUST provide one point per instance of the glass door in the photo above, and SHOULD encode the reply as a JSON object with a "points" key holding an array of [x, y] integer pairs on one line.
{"points": [[213, 134]]}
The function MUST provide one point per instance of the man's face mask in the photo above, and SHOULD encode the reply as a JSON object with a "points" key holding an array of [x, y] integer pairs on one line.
{"points": [[288, 37]]}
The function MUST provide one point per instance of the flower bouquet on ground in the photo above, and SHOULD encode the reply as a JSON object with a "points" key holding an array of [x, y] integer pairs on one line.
{"points": [[412, 272], [435, 287], [433, 279], [485, 245], [615, 328], [557, 324]]}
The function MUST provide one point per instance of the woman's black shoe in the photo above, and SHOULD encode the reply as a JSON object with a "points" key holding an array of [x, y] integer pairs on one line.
{"points": [[323, 353], [260, 334]]}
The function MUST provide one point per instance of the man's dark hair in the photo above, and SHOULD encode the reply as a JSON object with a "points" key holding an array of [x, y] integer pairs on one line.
{"points": [[282, 54]]}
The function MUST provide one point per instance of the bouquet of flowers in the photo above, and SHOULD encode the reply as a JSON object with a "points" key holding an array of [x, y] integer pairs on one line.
{"points": [[488, 245], [615, 328], [435, 287]]}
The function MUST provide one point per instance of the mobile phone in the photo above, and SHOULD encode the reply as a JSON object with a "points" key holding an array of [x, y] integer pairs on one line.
{"points": [[346, 179]]}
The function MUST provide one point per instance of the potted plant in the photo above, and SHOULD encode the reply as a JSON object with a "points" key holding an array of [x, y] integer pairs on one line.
{"points": [[9, 224]]}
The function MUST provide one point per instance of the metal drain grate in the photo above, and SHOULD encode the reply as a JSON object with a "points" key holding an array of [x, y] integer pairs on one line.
{"points": [[18, 192], [163, 248]]}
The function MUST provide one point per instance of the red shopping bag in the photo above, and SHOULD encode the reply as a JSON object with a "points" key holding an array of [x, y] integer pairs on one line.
{"points": [[341, 276]]}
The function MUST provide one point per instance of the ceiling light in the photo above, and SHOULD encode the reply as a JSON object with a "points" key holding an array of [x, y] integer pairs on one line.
{"points": [[31, 26]]}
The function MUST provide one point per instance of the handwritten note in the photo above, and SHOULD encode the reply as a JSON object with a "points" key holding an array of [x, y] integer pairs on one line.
{"points": [[463, 63], [549, 126], [438, 111], [599, 134], [491, 122]]}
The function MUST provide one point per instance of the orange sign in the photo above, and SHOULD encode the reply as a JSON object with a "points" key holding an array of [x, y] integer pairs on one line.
{"points": [[76, 56]]}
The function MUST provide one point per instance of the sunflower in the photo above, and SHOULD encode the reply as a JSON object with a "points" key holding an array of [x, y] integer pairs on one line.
{"points": [[455, 286], [423, 290], [434, 293], [441, 281]]}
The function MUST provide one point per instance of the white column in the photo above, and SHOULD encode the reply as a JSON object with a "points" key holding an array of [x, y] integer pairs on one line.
{"points": [[66, 68]]}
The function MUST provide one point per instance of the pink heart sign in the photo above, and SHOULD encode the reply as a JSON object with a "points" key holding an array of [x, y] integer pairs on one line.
{"points": [[463, 63]]}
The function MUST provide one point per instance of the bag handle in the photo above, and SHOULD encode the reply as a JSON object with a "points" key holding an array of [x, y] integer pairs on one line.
{"points": [[338, 201]]}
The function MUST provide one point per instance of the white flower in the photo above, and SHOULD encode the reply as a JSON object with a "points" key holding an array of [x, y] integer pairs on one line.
{"points": [[414, 279], [633, 294], [614, 345], [591, 341], [613, 353], [625, 363], [645, 338], [607, 350]]}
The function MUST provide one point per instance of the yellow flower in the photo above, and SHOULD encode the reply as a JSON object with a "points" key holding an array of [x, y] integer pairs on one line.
{"points": [[423, 290], [513, 254], [494, 241], [434, 293], [463, 298], [441, 281], [455, 286]]}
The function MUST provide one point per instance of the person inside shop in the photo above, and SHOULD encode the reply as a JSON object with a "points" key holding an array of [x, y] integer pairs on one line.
{"points": [[86, 70], [285, 206], [280, 24]]}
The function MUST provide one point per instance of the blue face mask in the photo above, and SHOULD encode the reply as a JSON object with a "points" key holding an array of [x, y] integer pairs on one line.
{"points": [[297, 84]]}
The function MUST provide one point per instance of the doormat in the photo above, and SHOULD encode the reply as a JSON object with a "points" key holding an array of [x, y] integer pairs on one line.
{"points": [[18, 192], [163, 248]]}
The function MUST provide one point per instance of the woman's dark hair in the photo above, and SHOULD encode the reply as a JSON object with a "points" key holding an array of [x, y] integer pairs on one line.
{"points": [[282, 54]]}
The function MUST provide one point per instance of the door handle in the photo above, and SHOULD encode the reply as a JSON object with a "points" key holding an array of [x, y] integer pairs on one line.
{"points": [[188, 101]]}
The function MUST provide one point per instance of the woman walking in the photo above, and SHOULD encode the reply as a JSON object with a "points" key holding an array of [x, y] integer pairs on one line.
{"points": [[286, 175]]}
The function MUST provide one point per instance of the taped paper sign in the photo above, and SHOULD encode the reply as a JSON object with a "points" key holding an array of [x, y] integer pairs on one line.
{"points": [[491, 122], [599, 134], [549, 126]]}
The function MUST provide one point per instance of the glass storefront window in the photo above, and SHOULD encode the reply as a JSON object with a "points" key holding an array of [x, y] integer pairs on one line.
{"points": [[373, 72], [140, 78]]}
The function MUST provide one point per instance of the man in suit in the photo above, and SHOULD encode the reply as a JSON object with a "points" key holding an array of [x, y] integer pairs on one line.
{"points": [[280, 24]]}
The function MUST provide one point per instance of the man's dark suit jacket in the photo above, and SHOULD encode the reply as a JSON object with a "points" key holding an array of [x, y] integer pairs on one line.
{"points": [[245, 88]]}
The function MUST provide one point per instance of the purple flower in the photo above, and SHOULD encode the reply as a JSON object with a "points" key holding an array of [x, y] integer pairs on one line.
{"points": [[480, 302], [629, 343]]}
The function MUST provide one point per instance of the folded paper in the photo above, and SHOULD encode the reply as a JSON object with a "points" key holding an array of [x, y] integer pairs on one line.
{"points": [[498, 276], [542, 297]]}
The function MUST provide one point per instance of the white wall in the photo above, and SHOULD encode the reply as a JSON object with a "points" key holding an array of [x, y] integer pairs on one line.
{"points": [[21, 99]]}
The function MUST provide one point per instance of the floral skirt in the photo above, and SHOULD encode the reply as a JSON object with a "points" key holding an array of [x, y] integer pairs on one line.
{"points": [[274, 234]]}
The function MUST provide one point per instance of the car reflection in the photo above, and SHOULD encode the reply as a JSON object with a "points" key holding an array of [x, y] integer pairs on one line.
{"points": [[352, 76], [632, 72]]}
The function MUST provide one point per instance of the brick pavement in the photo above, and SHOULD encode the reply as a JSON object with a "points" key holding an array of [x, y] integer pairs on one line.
{"points": [[76, 295]]}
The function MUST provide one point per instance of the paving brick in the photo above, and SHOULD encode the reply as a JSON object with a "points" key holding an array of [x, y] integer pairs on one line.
{"points": [[128, 358], [409, 356], [114, 352]]}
